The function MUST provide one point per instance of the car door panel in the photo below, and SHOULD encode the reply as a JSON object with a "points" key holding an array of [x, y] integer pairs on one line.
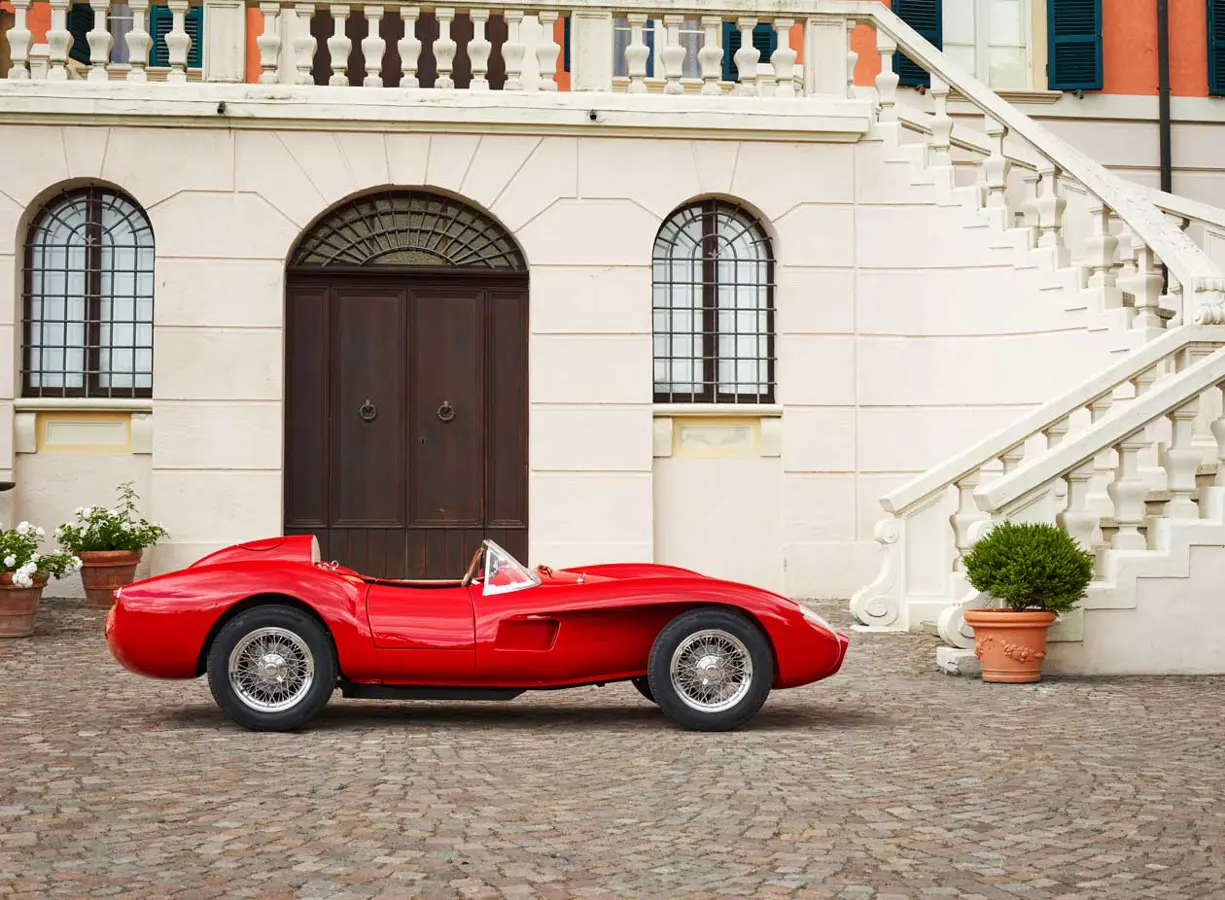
{"points": [[423, 635]]}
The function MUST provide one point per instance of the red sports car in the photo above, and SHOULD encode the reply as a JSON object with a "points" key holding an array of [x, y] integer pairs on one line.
{"points": [[277, 630]]}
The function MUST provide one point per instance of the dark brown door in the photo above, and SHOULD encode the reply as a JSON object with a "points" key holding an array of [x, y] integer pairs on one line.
{"points": [[406, 419]]}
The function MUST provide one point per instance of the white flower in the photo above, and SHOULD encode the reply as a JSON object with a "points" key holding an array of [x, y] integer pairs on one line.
{"points": [[80, 511], [87, 511], [10, 560], [23, 529], [126, 526], [76, 562], [40, 532]]}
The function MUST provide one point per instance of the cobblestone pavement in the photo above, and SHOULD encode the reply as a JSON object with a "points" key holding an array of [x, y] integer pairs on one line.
{"points": [[890, 780]]}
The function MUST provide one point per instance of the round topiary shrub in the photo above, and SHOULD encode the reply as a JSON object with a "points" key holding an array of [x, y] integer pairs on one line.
{"points": [[1030, 566]]}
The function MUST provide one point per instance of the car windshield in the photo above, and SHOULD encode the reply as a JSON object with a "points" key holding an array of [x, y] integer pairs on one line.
{"points": [[501, 573]]}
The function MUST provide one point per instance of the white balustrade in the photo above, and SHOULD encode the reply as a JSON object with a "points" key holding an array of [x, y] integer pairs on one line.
{"points": [[99, 39], [783, 59], [1181, 461], [747, 58], [710, 57], [548, 50], [269, 42], [409, 47], [304, 44], [139, 41], [59, 41], [20, 39], [445, 48], [514, 50], [373, 47], [178, 41], [636, 54], [886, 79]]}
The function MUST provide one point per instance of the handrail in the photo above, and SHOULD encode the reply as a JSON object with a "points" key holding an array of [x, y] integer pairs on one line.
{"points": [[1190, 265], [962, 138], [1185, 207], [1162, 398], [918, 489]]}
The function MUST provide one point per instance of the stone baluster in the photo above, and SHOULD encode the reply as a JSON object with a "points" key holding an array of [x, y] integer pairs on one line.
{"points": [[339, 47], [1077, 518], [100, 42], [445, 48], [852, 58], [304, 43], [513, 50], [1145, 286], [967, 514], [942, 125], [59, 42], [1174, 298], [636, 54], [1051, 206], [1127, 493], [1180, 461], [783, 59], [178, 41], [1144, 380], [747, 58], [1218, 431], [1127, 258], [672, 56], [996, 166], [886, 80], [269, 43], [548, 50], [480, 48], [20, 39], [138, 41], [1029, 206], [1012, 458], [1100, 249], [373, 47], [1056, 432], [1104, 462], [710, 57], [409, 47]]}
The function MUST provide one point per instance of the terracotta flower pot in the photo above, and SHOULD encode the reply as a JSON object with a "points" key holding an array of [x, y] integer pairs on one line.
{"points": [[19, 606], [1011, 645], [102, 571]]}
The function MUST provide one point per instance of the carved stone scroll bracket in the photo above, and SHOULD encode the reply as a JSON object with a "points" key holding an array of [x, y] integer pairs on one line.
{"points": [[878, 606]]}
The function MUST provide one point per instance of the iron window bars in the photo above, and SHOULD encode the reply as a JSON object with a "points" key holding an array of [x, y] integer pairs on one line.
{"points": [[88, 298], [713, 307], [409, 228]]}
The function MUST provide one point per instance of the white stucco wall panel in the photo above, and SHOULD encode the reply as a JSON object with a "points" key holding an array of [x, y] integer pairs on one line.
{"points": [[85, 150], [33, 161], [590, 300], [716, 161], [816, 369], [819, 440], [365, 155], [590, 438], [828, 570], [497, 160], [595, 507], [590, 369], [577, 554], [10, 291], [1175, 628], [983, 371], [263, 165], [224, 506], [150, 163], [210, 293], [11, 213], [8, 374], [814, 301], [910, 439], [590, 233], [659, 175], [450, 158], [734, 531], [550, 172], [817, 235], [234, 435], [318, 154], [407, 156], [881, 179], [816, 173], [218, 364], [818, 507], [869, 488], [50, 487], [222, 226], [922, 237]]}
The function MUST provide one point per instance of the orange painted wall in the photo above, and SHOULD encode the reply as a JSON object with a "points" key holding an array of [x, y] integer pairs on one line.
{"points": [[7, 7], [1129, 47], [255, 27], [38, 20]]}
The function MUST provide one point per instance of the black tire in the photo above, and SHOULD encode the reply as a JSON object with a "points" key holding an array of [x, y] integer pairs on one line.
{"points": [[295, 630], [644, 687], [736, 632]]}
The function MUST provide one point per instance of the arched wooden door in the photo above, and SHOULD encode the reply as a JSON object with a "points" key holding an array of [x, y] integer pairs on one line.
{"points": [[406, 386]]}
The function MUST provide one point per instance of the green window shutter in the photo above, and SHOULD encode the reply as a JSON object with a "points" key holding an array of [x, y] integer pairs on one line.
{"points": [[1216, 47], [764, 39], [1074, 45], [927, 18], [161, 22], [565, 44], [80, 24]]}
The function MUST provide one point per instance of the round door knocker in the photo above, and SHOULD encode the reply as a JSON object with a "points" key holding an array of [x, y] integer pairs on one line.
{"points": [[367, 412], [446, 412]]}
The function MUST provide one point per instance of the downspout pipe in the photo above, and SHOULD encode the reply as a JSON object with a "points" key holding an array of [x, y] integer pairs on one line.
{"points": [[1163, 92]]}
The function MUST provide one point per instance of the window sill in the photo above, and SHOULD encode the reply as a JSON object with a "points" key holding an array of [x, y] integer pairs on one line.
{"points": [[83, 404], [82, 425], [725, 430], [718, 410]]}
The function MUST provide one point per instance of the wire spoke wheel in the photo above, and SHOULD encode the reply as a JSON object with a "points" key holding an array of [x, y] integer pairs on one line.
{"points": [[711, 670], [271, 669]]}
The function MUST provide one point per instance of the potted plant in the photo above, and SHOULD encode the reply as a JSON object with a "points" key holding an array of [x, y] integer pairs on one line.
{"points": [[1038, 572], [23, 575], [110, 543]]}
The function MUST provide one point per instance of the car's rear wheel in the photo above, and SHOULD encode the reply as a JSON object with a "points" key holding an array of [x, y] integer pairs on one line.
{"points": [[644, 687], [710, 669], [272, 668]]}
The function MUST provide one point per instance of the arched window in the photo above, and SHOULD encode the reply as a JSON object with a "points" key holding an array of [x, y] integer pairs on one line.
{"points": [[88, 298], [713, 307]]}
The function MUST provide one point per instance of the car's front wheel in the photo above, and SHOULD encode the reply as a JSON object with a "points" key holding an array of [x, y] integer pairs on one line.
{"points": [[710, 669], [272, 668]]}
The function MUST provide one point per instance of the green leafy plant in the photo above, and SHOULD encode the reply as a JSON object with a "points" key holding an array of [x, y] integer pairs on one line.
{"points": [[19, 555], [1030, 566], [119, 528]]}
